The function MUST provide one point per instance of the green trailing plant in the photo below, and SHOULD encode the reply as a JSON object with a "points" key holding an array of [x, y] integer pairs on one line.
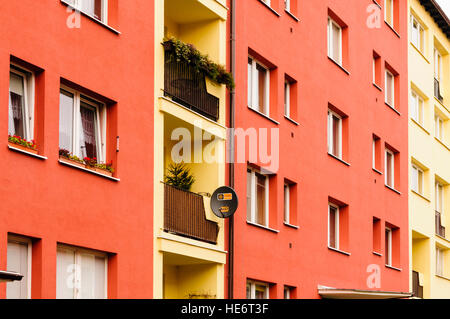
{"points": [[179, 176], [66, 154], [187, 53], [107, 167], [15, 139]]}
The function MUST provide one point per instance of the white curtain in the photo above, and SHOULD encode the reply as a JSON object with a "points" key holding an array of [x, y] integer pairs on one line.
{"points": [[88, 138], [65, 274], [17, 262], [16, 105]]}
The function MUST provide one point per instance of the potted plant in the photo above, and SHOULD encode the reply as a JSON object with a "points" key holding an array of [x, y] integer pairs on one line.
{"points": [[22, 144], [67, 157], [179, 176], [105, 169]]}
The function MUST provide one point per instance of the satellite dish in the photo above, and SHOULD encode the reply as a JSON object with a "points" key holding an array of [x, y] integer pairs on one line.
{"points": [[224, 202]]}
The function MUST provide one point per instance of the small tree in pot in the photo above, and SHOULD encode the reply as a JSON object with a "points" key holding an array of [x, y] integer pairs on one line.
{"points": [[179, 176]]}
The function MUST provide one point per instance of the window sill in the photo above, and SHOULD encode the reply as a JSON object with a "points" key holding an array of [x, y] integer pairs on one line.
{"points": [[377, 171], [442, 143], [92, 18], [18, 150], [88, 170], [392, 108], [392, 29], [443, 238], [377, 254], [291, 226], [379, 88], [375, 1], [338, 65], [441, 103], [268, 7], [420, 195], [418, 51], [291, 120], [292, 15], [337, 158], [339, 251], [263, 227], [264, 115], [393, 268], [420, 126], [392, 189]]}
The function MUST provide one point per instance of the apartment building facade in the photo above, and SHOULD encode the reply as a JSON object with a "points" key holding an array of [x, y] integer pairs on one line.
{"points": [[81, 86], [429, 140], [330, 219]]}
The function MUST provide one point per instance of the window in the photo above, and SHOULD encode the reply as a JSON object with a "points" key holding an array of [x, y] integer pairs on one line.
{"points": [[376, 233], [390, 89], [257, 198], [334, 134], [288, 292], [287, 5], [82, 125], [439, 197], [21, 103], [376, 152], [287, 203], [439, 127], [81, 274], [389, 168], [389, 12], [97, 9], [333, 226], [257, 290], [19, 260], [439, 261], [437, 65], [287, 99], [258, 86], [417, 108], [376, 69], [334, 41], [267, 2], [417, 179], [417, 34], [388, 245]]}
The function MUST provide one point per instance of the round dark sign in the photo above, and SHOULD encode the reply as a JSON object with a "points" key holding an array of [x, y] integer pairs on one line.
{"points": [[224, 202]]}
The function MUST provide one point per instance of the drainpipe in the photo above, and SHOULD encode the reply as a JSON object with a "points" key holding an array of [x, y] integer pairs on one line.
{"points": [[231, 147]]}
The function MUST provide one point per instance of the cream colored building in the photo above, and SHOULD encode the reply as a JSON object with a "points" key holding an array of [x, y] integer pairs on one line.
{"points": [[429, 149]]}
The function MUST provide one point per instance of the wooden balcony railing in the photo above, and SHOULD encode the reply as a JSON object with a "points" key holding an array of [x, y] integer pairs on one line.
{"points": [[184, 215], [440, 229], [187, 86], [417, 288]]}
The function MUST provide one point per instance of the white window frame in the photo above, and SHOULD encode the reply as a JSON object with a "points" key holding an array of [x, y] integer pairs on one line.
{"points": [[374, 152], [78, 252], [420, 30], [417, 107], [392, 13], [439, 197], [287, 292], [391, 104], [287, 203], [253, 199], [389, 245], [440, 253], [252, 284], [374, 70], [100, 109], [253, 92], [29, 96], [287, 5], [331, 136], [76, 4], [438, 66], [337, 224], [417, 179], [392, 181], [28, 242], [287, 99], [331, 54], [439, 127]]}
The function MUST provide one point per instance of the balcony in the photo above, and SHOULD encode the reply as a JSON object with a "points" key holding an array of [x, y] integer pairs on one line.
{"points": [[417, 288], [186, 86], [437, 90], [440, 230], [184, 215]]}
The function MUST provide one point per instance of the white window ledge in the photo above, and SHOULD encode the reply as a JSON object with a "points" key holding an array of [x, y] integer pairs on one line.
{"points": [[377, 171], [377, 254], [290, 225], [393, 268], [339, 65], [339, 159], [291, 120], [393, 189], [263, 227], [264, 115], [339, 251], [12, 148], [392, 108], [89, 171]]}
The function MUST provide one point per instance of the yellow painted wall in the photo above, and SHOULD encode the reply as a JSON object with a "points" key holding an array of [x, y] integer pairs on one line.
{"points": [[203, 24], [429, 154]]}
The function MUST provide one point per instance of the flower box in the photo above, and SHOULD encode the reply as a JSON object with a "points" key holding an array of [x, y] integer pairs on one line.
{"points": [[103, 172], [23, 148], [69, 161]]}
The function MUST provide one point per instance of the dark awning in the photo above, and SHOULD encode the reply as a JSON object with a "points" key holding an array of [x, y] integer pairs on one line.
{"points": [[6, 276]]}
